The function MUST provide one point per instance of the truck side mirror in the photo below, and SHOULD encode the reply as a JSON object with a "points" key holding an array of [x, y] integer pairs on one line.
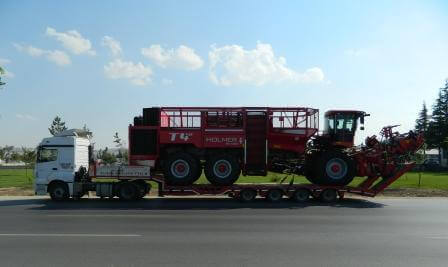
{"points": [[362, 128], [362, 120]]}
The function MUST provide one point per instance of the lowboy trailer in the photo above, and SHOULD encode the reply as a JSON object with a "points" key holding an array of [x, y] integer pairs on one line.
{"points": [[174, 146]]}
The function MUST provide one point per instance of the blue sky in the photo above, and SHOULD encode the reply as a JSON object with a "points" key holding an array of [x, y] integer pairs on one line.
{"points": [[384, 57]]}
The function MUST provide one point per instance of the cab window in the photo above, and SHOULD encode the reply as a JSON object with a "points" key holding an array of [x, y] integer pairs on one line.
{"points": [[47, 155]]}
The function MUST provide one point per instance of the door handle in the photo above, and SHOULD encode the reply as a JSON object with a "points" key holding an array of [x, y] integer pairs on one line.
{"points": [[55, 169]]}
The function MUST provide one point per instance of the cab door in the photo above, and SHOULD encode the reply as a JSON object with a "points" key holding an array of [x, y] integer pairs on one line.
{"points": [[46, 164]]}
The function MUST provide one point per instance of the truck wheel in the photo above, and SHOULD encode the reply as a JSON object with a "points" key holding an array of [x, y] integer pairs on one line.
{"points": [[329, 195], [128, 191], [247, 195], [181, 169], [59, 191], [274, 195], [301, 195], [222, 169], [143, 188], [333, 168]]}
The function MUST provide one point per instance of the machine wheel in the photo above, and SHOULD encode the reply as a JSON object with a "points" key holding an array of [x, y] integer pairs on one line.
{"points": [[222, 169], [59, 191], [274, 195], [329, 196], [128, 191], [301, 195], [331, 168], [181, 169], [247, 195], [199, 171]]}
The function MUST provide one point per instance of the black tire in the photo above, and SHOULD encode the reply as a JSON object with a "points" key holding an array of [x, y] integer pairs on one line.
{"points": [[328, 196], [247, 195], [59, 191], [181, 169], [143, 188], [222, 169], [274, 195], [198, 172], [128, 191], [301, 195], [330, 168]]}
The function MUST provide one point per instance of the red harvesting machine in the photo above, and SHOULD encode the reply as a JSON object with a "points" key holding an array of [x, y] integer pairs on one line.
{"points": [[180, 143]]}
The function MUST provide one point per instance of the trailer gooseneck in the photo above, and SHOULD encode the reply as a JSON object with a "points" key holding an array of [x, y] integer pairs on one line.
{"points": [[173, 146]]}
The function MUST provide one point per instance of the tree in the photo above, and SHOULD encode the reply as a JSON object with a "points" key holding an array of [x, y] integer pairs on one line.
{"points": [[422, 122], [106, 156], [28, 157], [57, 126], [2, 71], [122, 151], [6, 153], [438, 126], [117, 140], [85, 128]]}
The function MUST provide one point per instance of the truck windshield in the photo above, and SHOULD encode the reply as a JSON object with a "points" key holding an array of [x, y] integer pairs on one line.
{"points": [[47, 154]]}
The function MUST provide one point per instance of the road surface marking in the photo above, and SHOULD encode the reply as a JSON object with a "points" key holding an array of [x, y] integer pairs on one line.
{"points": [[72, 235]]}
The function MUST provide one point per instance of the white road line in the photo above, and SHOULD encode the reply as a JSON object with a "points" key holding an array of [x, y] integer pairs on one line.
{"points": [[112, 215], [437, 237], [71, 235]]}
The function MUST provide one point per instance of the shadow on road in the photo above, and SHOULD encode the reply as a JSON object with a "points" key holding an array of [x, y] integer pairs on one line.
{"points": [[182, 204]]}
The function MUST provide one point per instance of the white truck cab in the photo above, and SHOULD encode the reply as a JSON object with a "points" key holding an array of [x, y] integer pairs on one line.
{"points": [[65, 168], [58, 158]]}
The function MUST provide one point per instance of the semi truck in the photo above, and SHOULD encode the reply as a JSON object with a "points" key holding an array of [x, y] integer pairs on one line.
{"points": [[174, 146]]}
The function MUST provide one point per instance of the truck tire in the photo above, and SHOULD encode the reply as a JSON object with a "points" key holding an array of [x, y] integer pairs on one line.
{"points": [[222, 169], [247, 195], [181, 169], [128, 191], [274, 195], [331, 168], [301, 195], [143, 188], [59, 191], [328, 195]]}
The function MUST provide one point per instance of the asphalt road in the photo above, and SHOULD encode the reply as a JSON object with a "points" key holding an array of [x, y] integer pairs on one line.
{"points": [[223, 232]]}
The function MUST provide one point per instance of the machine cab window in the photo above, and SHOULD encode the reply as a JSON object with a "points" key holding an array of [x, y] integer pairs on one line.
{"points": [[47, 154]]}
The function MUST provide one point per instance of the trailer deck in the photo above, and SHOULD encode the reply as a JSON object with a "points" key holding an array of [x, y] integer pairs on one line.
{"points": [[370, 187]]}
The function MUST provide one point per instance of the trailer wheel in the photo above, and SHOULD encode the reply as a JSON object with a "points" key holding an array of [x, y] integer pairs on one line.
{"points": [[59, 191], [331, 168], [128, 191], [329, 195], [301, 195], [181, 169], [247, 195], [222, 169], [274, 195]]}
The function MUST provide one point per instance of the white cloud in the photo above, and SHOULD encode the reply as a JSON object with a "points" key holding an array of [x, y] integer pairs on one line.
{"points": [[112, 44], [137, 73], [182, 57], [56, 56], [72, 41], [4, 61], [26, 117], [232, 64]]}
